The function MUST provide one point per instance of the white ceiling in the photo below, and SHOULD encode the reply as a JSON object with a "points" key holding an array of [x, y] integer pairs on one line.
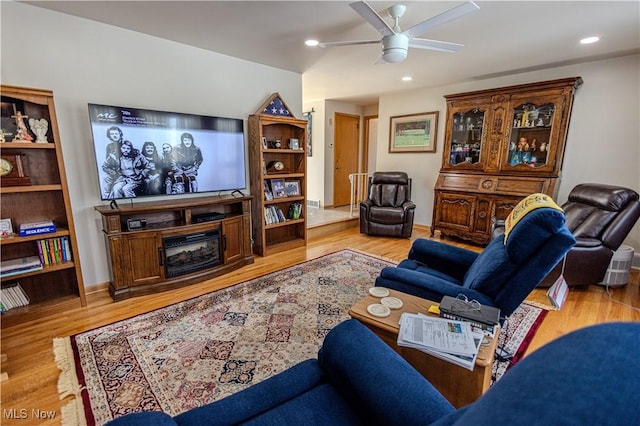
{"points": [[503, 37]]}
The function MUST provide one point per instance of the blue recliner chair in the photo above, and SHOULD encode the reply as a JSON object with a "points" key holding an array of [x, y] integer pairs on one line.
{"points": [[359, 380], [502, 275]]}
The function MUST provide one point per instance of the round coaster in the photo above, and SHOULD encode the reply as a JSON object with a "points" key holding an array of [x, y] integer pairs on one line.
{"points": [[391, 302], [379, 291], [378, 310]]}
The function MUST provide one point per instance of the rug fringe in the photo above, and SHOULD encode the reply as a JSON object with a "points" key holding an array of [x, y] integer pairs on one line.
{"points": [[68, 385], [386, 259], [73, 413]]}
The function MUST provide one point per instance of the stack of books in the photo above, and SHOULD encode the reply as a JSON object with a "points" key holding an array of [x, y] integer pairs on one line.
{"points": [[450, 340], [19, 266], [13, 296], [36, 228]]}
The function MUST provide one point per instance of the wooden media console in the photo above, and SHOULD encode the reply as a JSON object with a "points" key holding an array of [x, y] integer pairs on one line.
{"points": [[161, 245]]}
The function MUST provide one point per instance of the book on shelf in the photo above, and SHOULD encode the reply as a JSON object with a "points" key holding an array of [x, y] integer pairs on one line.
{"points": [[54, 251], [19, 266], [36, 228], [449, 340], [273, 214], [482, 316], [13, 296]]}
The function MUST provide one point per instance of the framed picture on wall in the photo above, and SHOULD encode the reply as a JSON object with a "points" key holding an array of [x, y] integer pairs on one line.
{"points": [[413, 132]]}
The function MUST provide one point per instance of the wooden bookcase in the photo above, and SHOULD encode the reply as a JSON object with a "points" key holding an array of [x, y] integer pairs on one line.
{"points": [[268, 125], [41, 195], [500, 146], [139, 257]]}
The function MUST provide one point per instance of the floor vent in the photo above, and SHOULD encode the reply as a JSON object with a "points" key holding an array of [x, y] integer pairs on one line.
{"points": [[313, 203]]}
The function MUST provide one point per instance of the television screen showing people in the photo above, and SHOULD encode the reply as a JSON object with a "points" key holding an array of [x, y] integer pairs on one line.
{"points": [[149, 153]]}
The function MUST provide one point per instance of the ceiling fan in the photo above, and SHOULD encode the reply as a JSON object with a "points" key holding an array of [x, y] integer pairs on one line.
{"points": [[396, 42]]}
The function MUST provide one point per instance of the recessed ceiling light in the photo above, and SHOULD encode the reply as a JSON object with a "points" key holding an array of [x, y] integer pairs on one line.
{"points": [[407, 78], [311, 42], [589, 40]]}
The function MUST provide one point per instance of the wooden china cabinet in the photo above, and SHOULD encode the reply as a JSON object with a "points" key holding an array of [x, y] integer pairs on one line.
{"points": [[500, 145]]}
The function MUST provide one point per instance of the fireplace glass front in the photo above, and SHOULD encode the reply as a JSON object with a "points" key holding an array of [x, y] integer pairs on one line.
{"points": [[185, 254]]}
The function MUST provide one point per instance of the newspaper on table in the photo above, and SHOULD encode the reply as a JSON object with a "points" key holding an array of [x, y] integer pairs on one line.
{"points": [[447, 339]]}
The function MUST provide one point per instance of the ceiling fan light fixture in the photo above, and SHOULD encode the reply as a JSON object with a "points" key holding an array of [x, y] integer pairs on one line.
{"points": [[394, 48]]}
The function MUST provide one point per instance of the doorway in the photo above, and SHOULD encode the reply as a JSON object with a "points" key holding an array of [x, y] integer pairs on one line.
{"points": [[346, 153]]}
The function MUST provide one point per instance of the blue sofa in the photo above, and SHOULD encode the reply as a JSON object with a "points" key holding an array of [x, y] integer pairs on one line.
{"points": [[586, 377], [502, 275]]}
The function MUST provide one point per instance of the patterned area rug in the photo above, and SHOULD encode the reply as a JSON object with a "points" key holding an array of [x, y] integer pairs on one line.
{"points": [[201, 350], [517, 334]]}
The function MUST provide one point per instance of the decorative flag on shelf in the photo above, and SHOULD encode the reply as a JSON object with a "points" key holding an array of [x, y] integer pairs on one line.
{"points": [[277, 107], [274, 105]]}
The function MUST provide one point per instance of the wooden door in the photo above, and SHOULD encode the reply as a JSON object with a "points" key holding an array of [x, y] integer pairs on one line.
{"points": [[345, 161]]}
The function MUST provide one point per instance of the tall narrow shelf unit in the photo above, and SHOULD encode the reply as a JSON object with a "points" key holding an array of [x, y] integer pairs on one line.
{"points": [[277, 152], [41, 194]]}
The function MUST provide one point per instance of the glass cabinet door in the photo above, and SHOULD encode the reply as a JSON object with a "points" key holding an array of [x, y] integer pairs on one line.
{"points": [[530, 139], [466, 137]]}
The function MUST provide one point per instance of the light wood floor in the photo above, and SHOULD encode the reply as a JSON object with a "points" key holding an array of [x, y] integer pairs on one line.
{"points": [[32, 383]]}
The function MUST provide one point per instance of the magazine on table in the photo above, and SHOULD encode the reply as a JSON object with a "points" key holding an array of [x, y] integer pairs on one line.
{"points": [[450, 340]]}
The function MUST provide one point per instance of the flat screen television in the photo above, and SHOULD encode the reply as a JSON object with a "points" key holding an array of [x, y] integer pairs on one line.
{"points": [[142, 152]]}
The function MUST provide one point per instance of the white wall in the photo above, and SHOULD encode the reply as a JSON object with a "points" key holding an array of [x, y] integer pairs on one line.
{"points": [[603, 143], [315, 163], [87, 62]]}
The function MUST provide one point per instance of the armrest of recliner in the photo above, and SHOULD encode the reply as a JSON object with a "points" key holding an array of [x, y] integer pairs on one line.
{"points": [[408, 205], [442, 257], [258, 398], [426, 286], [377, 382]]}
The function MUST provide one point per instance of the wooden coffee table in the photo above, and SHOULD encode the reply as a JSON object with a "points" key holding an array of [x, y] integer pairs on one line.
{"points": [[459, 385]]}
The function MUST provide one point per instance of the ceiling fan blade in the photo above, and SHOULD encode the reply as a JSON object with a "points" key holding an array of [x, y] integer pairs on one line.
{"points": [[347, 43], [372, 17], [441, 46], [446, 16]]}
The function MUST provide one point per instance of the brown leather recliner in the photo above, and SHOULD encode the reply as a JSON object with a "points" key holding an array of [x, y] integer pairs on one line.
{"points": [[388, 211], [600, 217]]}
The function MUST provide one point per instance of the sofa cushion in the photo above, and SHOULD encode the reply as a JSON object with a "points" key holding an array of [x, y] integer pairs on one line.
{"points": [[323, 405], [388, 215]]}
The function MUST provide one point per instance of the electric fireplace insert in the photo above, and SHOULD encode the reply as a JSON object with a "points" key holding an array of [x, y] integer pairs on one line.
{"points": [[186, 254]]}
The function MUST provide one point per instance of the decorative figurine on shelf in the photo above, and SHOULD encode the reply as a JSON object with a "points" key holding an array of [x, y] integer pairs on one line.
{"points": [[22, 134], [2, 139], [39, 128]]}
